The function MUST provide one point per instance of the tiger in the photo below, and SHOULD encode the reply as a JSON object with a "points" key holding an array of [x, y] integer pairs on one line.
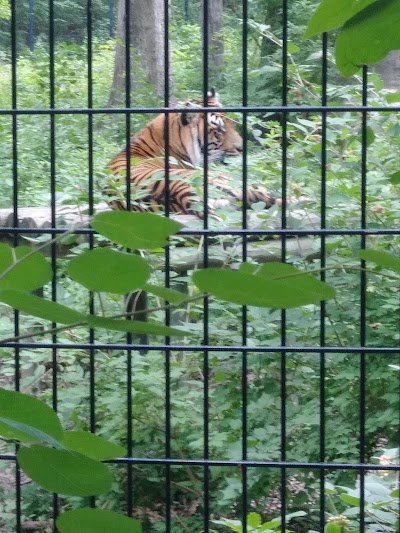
{"points": [[186, 155]]}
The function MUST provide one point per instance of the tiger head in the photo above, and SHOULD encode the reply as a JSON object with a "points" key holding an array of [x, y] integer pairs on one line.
{"points": [[186, 136], [222, 138]]}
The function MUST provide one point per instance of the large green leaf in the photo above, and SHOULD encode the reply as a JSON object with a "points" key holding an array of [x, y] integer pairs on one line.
{"points": [[265, 289], [39, 307], [382, 259], [28, 275], [106, 270], [92, 445], [369, 36], [34, 420], [134, 326], [96, 521], [64, 472], [144, 231], [331, 14]]}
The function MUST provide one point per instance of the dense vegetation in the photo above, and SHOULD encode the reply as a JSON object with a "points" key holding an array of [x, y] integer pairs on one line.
{"points": [[302, 326]]}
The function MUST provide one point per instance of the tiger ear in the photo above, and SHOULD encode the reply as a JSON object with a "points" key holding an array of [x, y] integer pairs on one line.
{"points": [[213, 98]]}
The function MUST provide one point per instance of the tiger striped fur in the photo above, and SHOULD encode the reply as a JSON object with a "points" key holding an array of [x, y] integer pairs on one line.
{"points": [[186, 152]]}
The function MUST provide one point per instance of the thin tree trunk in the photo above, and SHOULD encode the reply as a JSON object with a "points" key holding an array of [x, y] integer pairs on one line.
{"points": [[117, 91], [215, 37], [146, 42]]}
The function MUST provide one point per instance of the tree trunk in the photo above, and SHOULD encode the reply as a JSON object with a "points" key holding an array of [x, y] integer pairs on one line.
{"points": [[215, 37], [147, 38], [117, 91], [147, 46], [389, 70]]}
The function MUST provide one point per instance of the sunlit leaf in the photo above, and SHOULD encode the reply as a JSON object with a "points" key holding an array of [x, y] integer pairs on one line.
{"points": [[368, 37], [92, 445], [254, 520], [382, 259], [106, 270], [38, 422], [136, 327], [331, 14], [333, 528], [64, 472], [40, 307], [142, 231], [28, 275], [263, 290], [351, 500], [88, 520], [392, 98]]}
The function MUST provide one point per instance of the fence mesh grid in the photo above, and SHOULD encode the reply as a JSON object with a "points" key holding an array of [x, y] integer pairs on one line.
{"points": [[253, 360]]}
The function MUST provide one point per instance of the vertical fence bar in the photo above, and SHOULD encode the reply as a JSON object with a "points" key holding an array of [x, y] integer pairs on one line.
{"points": [[322, 339], [52, 104], [283, 251], [14, 127], [167, 278], [244, 259], [206, 364], [129, 410], [363, 297], [92, 354]]}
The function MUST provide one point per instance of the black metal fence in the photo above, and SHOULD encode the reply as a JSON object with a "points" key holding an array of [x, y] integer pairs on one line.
{"points": [[189, 472]]}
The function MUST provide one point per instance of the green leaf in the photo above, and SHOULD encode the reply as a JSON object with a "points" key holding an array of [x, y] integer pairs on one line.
{"points": [[382, 259], [351, 500], [292, 48], [169, 295], [39, 307], [392, 98], [35, 434], [254, 520], [144, 231], [32, 273], [370, 137], [368, 37], [333, 528], [395, 178], [133, 326], [88, 520], [331, 14], [395, 493], [64, 472], [265, 289], [92, 445], [31, 413], [106, 270]]}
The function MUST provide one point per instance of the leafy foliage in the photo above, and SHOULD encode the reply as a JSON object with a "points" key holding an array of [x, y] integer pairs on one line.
{"points": [[265, 384], [366, 37]]}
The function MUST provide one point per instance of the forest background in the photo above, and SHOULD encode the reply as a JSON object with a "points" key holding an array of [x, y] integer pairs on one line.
{"points": [[70, 49]]}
